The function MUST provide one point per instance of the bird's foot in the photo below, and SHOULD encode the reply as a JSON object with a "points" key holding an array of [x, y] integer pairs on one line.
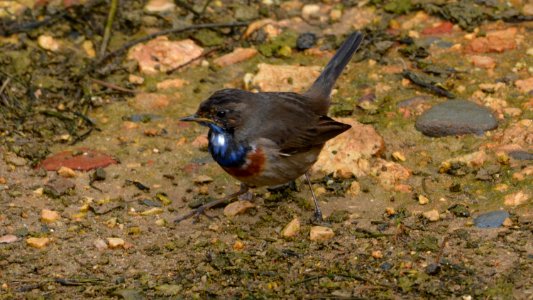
{"points": [[248, 196]]}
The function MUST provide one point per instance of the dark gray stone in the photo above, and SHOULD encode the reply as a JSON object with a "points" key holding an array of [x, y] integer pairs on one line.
{"points": [[456, 117], [521, 155], [305, 41], [493, 219]]}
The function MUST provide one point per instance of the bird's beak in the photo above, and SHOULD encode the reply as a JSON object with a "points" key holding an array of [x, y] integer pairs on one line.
{"points": [[196, 118]]}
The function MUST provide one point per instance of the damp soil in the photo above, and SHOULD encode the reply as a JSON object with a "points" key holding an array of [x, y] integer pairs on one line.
{"points": [[383, 247]]}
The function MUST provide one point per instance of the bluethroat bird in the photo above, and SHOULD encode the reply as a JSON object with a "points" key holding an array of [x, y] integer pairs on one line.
{"points": [[272, 138]]}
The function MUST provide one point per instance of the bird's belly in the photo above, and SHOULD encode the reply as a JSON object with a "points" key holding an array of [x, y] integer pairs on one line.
{"points": [[270, 169]]}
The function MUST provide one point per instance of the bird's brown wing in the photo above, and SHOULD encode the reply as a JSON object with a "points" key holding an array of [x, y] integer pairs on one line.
{"points": [[287, 120]]}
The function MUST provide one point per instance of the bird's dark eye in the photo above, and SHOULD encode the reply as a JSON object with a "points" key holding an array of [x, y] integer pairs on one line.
{"points": [[221, 113]]}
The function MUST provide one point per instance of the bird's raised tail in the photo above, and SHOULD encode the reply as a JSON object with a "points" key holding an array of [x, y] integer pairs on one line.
{"points": [[321, 89]]}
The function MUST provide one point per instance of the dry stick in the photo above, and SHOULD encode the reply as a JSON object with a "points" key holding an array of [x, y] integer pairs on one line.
{"points": [[4, 85], [108, 26], [148, 37], [441, 250]]}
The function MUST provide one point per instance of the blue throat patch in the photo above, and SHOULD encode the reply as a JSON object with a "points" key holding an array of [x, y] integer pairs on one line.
{"points": [[224, 149]]}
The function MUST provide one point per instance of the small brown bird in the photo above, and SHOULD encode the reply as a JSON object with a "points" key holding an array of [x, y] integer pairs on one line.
{"points": [[272, 138]]}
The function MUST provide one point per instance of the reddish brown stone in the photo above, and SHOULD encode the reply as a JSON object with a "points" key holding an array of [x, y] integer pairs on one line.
{"points": [[87, 160], [442, 28]]}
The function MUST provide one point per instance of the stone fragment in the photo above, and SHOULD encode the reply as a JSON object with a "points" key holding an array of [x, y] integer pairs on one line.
{"points": [[456, 117], [48, 43], [238, 55], [493, 219], [284, 77], [291, 229], [58, 187], [100, 244], [150, 101], [175, 83], [81, 159], [351, 150], [516, 199], [432, 215], [49, 216], [159, 6], [237, 207], [115, 243], [8, 239], [66, 172], [38, 243], [525, 85], [152, 211], [200, 142], [423, 200], [135, 79], [13, 159], [321, 233], [238, 245], [485, 62], [162, 55], [377, 254]]}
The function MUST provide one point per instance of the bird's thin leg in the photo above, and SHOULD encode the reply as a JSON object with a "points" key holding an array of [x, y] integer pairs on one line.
{"points": [[201, 210], [318, 212]]}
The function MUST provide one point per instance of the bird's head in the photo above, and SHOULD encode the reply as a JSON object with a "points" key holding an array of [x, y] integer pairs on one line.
{"points": [[222, 111]]}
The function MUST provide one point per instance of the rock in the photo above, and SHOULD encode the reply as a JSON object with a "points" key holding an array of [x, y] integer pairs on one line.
{"points": [[305, 41], [49, 216], [237, 207], [100, 244], [507, 222], [473, 160], [88, 47], [8, 239], [175, 83], [321, 233], [495, 41], [354, 189], [115, 243], [456, 117], [202, 179], [152, 211], [162, 55], [439, 28], [525, 85], [493, 219], [150, 101], [200, 142], [66, 172], [432, 215], [377, 254], [351, 150], [159, 6], [48, 43], [238, 245], [138, 80], [516, 199], [423, 200], [82, 159], [13, 159], [38, 243], [485, 62], [58, 187], [389, 173], [291, 229], [310, 10], [285, 78], [238, 55], [398, 156]]}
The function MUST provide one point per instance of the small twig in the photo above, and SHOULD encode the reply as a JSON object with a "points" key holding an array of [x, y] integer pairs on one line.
{"points": [[441, 250], [4, 85], [113, 86], [108, 26]]}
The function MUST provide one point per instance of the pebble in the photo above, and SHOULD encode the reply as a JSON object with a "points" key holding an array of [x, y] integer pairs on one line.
{"points": [[485, 62], [310, 10], [456, 117], [15, 160], [8, 239], [200, 142], [432, 215], [238, 245], [100, 244], [321, 233], [354, 189], [507, 222], [58, 187], [152, 211], [202, 179], [38, 243], [377, 254], [291, 229], [236, 208], [398, 156], [305, 41], [115, 243], [423, 200], [49, 216], [284, 77], [48, 43], [159, 6], [88, 47], [175, 83], [135, 79], [66, 172], [150, 101], [238, 55], [516, 199], [493, 219], [525, 85]]}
